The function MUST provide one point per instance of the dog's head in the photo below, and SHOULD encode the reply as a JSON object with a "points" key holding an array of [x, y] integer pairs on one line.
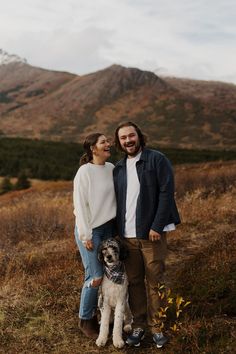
{"points": [[112, 251]]}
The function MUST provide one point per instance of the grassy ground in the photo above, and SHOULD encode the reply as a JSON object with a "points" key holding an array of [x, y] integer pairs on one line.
{"points": [[41, 273]]}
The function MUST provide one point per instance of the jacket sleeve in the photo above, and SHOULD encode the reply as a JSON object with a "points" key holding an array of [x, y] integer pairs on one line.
{"points": [[166, 194], [81, 205]]}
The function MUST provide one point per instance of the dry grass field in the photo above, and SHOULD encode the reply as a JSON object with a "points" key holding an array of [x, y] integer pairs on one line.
{"points": [[41, 273]]}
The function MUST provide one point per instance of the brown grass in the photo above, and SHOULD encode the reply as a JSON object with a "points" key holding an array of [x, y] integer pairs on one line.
{"points": [[41, 272], [210, 178]]}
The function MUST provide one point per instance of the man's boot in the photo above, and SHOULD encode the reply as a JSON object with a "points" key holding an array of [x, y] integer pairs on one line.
{"points": [[90, 328]]}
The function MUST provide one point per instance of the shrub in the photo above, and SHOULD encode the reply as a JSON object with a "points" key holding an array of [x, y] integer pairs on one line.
{"points": [[6, 185], [22, 182]]}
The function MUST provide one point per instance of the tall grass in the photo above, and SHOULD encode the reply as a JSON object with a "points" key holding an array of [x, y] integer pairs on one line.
{"points": [[41, 273], [36, 217], [211, 178]]}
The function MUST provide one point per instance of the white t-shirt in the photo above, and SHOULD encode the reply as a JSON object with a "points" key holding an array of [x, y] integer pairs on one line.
{"points": [[133, 190], [94, 198]]}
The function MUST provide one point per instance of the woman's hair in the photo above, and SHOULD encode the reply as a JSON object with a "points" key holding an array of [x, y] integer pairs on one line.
{"points": [[89, 143], [142, 137]]}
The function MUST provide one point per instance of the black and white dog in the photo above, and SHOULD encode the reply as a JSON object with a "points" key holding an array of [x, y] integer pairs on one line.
{"points": [[114, 293]]}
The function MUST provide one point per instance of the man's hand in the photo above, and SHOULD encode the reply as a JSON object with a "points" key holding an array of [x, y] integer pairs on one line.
{"points": [[88, 245], [154, 236]]}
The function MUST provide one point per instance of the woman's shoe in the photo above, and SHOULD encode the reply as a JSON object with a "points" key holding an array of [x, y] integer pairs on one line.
{"points": [[90, 328]]}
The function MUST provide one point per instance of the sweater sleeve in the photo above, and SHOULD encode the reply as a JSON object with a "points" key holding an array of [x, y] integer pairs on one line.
{"points": [[81, 205]]}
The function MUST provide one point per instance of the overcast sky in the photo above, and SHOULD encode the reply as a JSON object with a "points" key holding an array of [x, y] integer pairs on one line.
{"points": [[184, 38]]}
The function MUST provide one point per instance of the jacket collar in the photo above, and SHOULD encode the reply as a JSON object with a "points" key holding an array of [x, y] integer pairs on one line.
{"points": [[143, 157]]}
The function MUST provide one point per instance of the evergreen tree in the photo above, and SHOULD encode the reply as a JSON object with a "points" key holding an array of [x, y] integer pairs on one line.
{"points": [[6, 185], [22, 181]]}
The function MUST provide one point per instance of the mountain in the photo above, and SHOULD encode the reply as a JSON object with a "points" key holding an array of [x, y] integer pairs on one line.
{"points": [[52, 105], [6, 58]]}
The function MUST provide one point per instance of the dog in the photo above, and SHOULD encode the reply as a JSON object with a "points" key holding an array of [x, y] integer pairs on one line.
{"points": [[114, 293]]}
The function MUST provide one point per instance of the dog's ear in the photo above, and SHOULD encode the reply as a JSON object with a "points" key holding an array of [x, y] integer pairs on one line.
{"points": [[100, 255], [123, 251]]}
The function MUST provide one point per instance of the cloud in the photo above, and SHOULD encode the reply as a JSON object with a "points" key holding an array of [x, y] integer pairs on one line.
{"points": [[78, 52], [188, 38]]}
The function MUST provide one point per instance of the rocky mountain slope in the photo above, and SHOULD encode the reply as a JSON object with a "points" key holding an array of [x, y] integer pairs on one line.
{"points": [[44, 104]]}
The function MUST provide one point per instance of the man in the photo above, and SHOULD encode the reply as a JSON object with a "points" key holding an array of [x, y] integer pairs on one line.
{"points": [[146, 209]]}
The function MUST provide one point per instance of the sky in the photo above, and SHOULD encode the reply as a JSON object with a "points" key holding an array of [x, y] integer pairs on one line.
{"points": [[182, 38]]}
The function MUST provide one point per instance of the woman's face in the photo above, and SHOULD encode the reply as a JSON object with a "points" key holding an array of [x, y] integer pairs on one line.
{"points": [[102, 147]]}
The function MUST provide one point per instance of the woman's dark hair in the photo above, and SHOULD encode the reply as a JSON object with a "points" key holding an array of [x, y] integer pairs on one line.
{"points": [[89, 143], [142, 137]]}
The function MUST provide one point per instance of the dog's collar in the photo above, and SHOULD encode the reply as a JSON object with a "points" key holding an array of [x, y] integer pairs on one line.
{"points": [[115, 273]]}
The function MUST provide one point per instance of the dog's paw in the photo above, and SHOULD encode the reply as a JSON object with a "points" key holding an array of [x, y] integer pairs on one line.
{"points": [[118, 342], [127, 328], [101, 342]]}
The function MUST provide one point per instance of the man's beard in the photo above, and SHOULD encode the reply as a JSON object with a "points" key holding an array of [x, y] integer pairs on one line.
{"points": [[135, 152]]}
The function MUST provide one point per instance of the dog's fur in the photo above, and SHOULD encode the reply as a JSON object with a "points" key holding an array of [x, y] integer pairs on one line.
{"points": [[113, 296]]}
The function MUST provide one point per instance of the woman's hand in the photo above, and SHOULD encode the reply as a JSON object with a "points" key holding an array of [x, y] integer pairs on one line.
{"points": [[88, 245]]}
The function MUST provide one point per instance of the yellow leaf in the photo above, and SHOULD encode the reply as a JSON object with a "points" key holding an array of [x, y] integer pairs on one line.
{"points": [[174, 328], [162, 296], [178, 313], [179, 301]]}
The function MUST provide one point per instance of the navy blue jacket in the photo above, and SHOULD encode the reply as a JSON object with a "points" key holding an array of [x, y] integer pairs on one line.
{"points": [[156, 206]]}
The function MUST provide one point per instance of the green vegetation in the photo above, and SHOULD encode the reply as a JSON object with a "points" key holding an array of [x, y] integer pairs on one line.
{"points": [[22, 183], [49, 160], [6, 185], [39, 159], [180, 156], [4, 98]]}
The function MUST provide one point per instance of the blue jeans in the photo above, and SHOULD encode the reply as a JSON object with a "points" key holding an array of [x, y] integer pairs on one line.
{"points": [[93, 268]]}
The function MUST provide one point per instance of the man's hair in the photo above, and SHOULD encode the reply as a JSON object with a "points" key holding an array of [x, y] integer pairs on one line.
{"points": [[142, 137]]}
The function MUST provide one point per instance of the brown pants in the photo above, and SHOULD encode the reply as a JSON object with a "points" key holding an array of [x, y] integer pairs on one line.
{"points": [[145, 268]]}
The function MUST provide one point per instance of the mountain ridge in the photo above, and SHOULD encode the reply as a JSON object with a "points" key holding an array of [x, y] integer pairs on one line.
{"points": [[54, 105], [6, 58]]}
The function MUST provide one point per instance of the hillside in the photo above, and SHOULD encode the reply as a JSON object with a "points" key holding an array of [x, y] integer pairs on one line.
{"points": [[41, 273], [38, 103]]}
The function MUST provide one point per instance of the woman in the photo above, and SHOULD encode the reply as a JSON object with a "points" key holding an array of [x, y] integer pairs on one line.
{"points": [[95, 210]]}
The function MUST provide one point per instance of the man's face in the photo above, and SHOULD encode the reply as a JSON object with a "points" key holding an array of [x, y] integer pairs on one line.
{"points": [[129, 140]]}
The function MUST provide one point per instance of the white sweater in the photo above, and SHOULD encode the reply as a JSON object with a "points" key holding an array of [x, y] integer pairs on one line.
{"points": [[94, 198]]}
